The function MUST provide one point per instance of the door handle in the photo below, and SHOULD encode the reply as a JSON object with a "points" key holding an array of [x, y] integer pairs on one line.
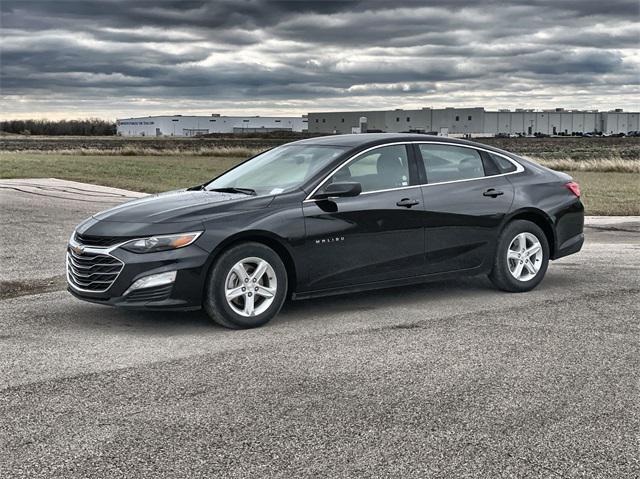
{"points": [[493, 193], [407, 202]]}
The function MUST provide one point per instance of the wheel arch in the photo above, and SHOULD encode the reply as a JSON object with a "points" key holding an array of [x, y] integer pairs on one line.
{"points": [[268, 239], [541, 219]]}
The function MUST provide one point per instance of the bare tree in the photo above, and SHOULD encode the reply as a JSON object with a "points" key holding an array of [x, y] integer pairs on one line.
{"points": [[85, 127]]}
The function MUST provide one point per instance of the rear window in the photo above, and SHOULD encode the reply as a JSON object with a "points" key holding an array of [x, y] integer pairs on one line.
{"points": [[504, 165], [451, 163]]}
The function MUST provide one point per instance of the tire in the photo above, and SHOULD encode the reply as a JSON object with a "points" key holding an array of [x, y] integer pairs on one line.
{"points": [[237, 268], [510, 257]]}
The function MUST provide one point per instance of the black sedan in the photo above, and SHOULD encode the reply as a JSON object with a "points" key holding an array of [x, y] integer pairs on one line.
{"points": [[330, 215]]}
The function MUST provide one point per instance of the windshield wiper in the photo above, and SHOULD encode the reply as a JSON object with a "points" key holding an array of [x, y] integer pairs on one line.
{"points": [[233, 189]]}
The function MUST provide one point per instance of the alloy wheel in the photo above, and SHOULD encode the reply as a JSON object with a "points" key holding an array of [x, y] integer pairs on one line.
{"points": [[250, 287], [524, 256]]}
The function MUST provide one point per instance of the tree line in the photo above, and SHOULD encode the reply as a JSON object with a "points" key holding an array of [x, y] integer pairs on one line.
{"points": [[87, 127]]}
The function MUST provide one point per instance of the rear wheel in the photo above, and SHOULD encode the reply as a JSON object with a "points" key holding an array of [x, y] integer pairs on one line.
{"points": [[246, 287], [521, 258]]}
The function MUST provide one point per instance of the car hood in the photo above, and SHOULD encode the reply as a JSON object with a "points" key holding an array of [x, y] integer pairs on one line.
{"points": [[181, 206]]}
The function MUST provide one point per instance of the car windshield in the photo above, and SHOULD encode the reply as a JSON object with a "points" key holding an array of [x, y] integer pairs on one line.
{"points": [[279, 170]]}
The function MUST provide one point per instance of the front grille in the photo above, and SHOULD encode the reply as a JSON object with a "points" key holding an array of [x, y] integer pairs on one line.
{"points": [[101, 241], [156, 293], [91, 271]]}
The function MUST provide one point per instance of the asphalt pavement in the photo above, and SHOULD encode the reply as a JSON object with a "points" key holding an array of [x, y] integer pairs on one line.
{"points": [[450, 379]]}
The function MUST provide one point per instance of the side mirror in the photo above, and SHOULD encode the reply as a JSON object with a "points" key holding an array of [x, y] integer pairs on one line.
{"points": [[339, 190]]}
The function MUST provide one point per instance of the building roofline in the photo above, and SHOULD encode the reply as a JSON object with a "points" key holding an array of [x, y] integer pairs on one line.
{"points": [[212, 116], [505, 110]]}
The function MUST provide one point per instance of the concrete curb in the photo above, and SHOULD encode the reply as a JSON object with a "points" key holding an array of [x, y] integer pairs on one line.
{"points": [[70, 190]]}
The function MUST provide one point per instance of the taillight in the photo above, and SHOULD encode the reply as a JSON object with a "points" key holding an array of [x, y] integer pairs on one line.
{"points": [[573, 187]]}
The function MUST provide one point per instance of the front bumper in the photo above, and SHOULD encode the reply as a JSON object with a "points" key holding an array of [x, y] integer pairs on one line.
{"points": [[190, 263]]}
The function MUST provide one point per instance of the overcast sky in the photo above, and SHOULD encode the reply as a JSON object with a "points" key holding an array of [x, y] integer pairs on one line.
{"points": [[63, 59]]}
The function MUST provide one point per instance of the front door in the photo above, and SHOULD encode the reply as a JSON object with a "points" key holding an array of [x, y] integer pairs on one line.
{"points": [[464, 207], [376, 236]]}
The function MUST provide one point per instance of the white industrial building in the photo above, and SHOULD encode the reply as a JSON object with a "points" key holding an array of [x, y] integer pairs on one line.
{"points": [[478, 122], [179, 125]]}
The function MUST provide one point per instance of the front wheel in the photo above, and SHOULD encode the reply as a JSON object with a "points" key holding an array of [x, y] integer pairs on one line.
{"points": [[246, 287], [521, 258]]}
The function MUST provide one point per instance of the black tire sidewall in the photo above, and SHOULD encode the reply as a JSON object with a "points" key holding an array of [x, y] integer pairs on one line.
{"points": [[215, 301], [501, 275]]}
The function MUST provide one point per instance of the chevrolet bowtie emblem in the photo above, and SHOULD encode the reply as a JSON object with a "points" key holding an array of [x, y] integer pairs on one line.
{"points": [[78, 249]]}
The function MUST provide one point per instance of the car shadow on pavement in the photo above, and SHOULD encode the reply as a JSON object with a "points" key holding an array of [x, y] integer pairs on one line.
{"points": [[419, 296], [187, 322], [388, 297]]}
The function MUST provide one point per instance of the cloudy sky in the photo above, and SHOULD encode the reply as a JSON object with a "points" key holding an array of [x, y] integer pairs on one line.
{"points": [[63, 59]]}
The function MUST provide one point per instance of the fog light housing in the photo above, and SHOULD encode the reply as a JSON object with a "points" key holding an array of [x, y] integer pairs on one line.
{"points": [[152, 280]]}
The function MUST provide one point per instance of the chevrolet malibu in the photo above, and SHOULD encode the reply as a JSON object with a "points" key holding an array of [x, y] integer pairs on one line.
{"points": [[330, 215]]}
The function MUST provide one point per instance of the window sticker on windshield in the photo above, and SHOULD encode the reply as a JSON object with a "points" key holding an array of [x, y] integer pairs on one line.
{"points": [[275, 191]]}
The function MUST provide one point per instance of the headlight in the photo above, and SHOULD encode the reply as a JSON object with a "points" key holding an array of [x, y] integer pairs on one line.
{"points": [[161, 243]]}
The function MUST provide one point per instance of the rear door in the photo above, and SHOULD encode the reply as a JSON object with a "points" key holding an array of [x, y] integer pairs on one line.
{"points": [[375, 236], [465, 201]]}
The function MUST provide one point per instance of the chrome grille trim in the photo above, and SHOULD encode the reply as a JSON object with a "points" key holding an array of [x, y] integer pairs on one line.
{"points": [[85, 266], [100, 241], [85, 262], [93, 281], [93, 271]]}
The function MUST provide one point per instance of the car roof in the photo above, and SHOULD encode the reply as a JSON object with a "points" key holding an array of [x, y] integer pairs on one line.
{"points": [[364, 140], [372, 139]]}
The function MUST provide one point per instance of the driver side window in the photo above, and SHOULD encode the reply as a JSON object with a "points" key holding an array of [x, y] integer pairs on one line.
{"points": [[380, 169]]}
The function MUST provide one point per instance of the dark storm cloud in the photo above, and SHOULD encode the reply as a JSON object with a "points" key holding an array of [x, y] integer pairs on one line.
{"points": [[316, 54]]}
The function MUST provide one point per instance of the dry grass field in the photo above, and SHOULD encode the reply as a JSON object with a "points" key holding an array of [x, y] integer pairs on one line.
{"points": [[608, 169], [133, 145], [150, 174]]}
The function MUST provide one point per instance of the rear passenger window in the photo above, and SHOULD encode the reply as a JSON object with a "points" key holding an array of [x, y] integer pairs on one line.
{"points": [[504, 165], [380, 169], [450, 163]]}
